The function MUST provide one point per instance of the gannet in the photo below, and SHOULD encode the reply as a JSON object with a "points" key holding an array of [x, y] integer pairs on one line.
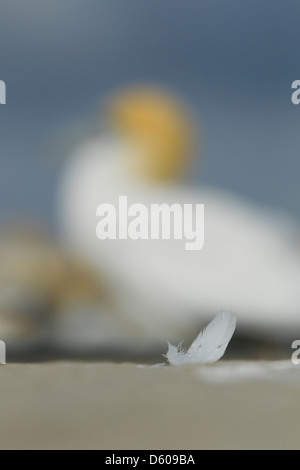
{"points": [[250, 262]]}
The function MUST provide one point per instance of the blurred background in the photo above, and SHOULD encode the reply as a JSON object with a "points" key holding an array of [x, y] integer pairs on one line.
{"points": [[232, 62]]}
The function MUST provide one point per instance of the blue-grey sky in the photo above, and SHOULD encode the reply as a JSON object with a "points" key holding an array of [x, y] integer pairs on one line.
{"points": [[235, 61]]}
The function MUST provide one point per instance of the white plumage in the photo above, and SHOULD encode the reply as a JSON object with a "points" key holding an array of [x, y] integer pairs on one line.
{"points": [[249, 262]]}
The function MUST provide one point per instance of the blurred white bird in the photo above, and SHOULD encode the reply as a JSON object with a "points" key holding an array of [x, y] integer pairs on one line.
{"points": [[249, 263]]}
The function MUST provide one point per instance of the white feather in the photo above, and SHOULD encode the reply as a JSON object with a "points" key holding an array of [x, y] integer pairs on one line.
{"points": [[209, 346]]}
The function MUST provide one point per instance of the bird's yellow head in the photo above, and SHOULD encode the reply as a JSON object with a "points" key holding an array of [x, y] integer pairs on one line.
{"points": [[162, 128]]}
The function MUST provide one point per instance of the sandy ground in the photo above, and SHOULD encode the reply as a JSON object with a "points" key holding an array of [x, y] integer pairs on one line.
{"points": [[75, 405]]}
